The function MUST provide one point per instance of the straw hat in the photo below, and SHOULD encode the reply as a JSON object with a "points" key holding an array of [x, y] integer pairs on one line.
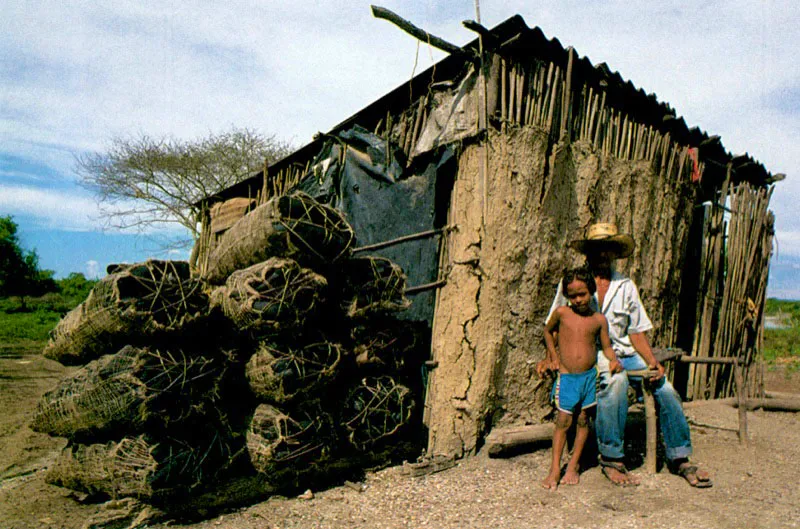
{"points": [[604, 236]]}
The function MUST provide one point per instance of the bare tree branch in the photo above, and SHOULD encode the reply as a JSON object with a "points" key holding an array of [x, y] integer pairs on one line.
{"points": [[165, 177]]}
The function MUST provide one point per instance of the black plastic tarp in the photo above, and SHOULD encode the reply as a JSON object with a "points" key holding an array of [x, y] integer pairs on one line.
{"points": [[364, 176]]}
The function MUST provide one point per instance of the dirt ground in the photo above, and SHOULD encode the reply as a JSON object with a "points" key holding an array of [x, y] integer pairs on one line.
{"points": [[754, 486]]}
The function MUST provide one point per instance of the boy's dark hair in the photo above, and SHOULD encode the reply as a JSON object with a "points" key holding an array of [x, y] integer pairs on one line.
{"points": [[581, 274]]}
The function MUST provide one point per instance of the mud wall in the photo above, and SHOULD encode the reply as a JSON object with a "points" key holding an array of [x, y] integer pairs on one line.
{"points": [[502, 275]]}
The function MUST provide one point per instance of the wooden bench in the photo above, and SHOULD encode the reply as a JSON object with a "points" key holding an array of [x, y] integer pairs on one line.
{"points": [[501, 440], [651, 427]]}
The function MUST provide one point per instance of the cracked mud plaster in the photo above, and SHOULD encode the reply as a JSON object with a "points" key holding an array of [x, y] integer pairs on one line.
{"points": [[491, 313]]}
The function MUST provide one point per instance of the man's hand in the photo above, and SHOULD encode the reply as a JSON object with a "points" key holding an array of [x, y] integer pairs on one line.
{"points": [[657, 367], [546, 365], [614, 366]]}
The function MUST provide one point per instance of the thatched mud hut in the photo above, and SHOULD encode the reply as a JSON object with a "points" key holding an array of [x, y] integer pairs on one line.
{"points": [[475, 175]]}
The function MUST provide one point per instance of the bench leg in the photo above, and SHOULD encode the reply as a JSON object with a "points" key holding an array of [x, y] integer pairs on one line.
{"points": [[651, 430]]}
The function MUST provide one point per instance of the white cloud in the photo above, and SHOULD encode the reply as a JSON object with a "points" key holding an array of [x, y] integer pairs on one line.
{"points": [[53, 209], [92, 269], [65, 210], [75, 73], [787, 244]]}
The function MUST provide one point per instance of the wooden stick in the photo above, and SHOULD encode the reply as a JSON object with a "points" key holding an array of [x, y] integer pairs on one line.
{"points": [[782, 395], [405, 238], [566, 101], [644, 373], [414, 31], [601, 119], [529, 102], [503, 90], [702, 360], [520, 92], [418, 289], [651, 429], [593, 102], [650, 418], [502, 440], [540, 94], [417, 122], [582, 121], [405, 132], [552, 107], [548, 89], [740, 402], [792, 405], [706, 425], [512, 92]]}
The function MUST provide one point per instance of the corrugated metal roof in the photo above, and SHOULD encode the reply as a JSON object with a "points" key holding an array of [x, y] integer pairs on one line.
{"points": [[513, 37]]}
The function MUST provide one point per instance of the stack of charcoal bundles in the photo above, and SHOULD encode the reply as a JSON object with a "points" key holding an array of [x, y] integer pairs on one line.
{"points": [[146, 414], [326, 361], [283, 362]]}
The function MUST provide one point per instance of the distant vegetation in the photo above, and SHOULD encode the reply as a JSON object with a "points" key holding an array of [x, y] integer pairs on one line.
{"points": [[20, 274], [783, 345], [31, 301], [27, 321]]}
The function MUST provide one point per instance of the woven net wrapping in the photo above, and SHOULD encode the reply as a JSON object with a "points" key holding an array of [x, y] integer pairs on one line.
{"points": [[293, 225], [375, 410], [126, 392], [133, 466], [270, 297], [390, 346], [275, 440], [135, 300], [372, 286], [279, 375]]}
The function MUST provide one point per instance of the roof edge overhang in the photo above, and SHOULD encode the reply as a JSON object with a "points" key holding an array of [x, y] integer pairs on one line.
{"points": [[514, 37]]}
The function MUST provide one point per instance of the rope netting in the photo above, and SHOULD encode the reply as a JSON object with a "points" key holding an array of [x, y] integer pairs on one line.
{"points": [[278, 375], [391, 346], [123, 468], [133, 466], [275, 440], [124, 392], [162, 292], [135, 300], [270, 297], [376, 409], [293, 225], [371, 286]]}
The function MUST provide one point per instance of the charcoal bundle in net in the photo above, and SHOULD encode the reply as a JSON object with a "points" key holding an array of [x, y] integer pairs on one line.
{"points": [[281, 374], [293, 225], [270, 297], [134, 301], [375, 410], [371, 286], [136, 467], [390, 346], [126, 392], [276, 441]]}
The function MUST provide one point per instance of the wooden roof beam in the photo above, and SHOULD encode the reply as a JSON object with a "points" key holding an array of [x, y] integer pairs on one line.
{"points": [[417, 33]]}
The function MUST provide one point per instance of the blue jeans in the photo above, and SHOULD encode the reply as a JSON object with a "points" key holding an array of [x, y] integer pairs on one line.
{"points": [[612, 412]]}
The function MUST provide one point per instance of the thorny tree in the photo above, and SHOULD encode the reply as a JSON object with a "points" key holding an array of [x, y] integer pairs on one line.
{"points": [[144, 181]]}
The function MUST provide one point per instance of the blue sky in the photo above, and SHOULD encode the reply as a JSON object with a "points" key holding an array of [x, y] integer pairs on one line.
{"points": [[73, 74]]}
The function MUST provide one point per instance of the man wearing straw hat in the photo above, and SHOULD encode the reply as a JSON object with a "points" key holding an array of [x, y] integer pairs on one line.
{"points": [[618, 297]]}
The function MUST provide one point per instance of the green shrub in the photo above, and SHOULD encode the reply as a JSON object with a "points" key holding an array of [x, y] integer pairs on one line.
{"points": [[18, 327], [783, 343], [30, 320]]}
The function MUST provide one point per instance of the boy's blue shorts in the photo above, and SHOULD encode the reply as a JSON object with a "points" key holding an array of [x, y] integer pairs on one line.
{"points": [[575, 391]]}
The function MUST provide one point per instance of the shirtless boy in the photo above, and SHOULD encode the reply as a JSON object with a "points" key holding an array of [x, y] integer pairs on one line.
{"points": [[578, 328]]}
